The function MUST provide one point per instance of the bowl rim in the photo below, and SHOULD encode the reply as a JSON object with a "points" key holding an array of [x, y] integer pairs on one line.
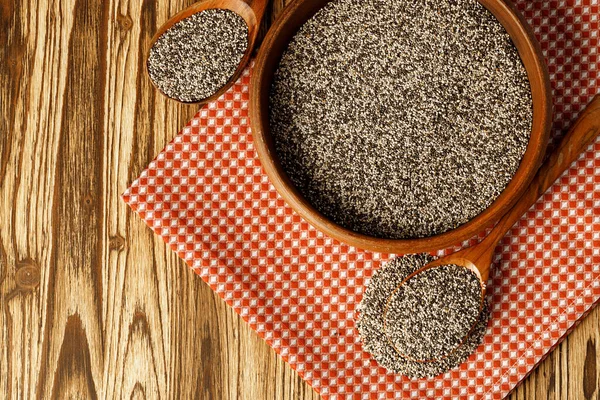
{"points": [[531, 55]]}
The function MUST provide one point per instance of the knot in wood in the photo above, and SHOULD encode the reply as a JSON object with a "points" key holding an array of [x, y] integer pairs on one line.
{"points": [[28, 275], [125, 22], [116, 242], [88, 200]]}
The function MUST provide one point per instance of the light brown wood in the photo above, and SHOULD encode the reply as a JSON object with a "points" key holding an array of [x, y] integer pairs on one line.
{"points": [[266, 63], [91, 301], [252, 11]]}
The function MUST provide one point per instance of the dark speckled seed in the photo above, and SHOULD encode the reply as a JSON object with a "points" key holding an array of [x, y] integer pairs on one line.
{"points": [[370, 323], [430, 314], [194, 58], [400, 118]]}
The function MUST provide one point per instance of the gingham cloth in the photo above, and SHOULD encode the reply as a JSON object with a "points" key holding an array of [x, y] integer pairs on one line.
{"points": [[207, 196]]}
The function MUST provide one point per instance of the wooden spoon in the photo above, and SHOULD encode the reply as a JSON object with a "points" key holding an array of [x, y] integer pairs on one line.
{"points": [[252, 11], [479, 257]]}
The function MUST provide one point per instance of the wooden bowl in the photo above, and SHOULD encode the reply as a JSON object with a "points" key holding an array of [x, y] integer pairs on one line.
{"points": [[266, 63]]}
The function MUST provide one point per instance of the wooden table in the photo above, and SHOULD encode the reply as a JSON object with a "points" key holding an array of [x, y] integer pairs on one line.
{"points": [[92, 303]]}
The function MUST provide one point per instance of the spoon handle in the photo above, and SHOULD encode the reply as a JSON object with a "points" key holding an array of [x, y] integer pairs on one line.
{"points": [[576, 141], [258, 6]]}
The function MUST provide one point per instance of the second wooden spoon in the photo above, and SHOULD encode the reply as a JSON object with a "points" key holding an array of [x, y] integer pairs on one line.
{"points": [[479, 257]]}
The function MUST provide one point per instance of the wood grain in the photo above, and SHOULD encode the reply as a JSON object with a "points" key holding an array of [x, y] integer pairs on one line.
{"points": [[92, 304]]}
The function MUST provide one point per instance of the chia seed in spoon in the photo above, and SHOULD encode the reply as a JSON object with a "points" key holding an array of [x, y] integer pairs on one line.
{"points": [[194, 58], [430, 314], [370, 322]]}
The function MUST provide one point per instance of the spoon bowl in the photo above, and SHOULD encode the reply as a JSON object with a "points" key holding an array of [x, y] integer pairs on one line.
{"points": [[252, 11]]}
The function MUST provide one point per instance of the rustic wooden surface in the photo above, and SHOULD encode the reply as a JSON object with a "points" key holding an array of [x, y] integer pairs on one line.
{"points": [[92, 304]]}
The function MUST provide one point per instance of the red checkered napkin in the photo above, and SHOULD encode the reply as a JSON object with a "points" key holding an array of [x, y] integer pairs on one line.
{"points": [[207, 196]]}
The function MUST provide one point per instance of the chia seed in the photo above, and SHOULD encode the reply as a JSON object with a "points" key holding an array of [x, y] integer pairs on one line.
{"points": [[194, 58], [430, 314], [401, 119], [370, 323]]}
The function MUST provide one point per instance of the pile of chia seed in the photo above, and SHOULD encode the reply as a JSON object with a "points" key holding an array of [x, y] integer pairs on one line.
{"points": [[401, 118], [194, 58], [374, 322], [431, 313]]}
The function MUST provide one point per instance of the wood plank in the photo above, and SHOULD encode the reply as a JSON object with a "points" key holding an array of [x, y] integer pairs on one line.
{"points": [[92, 303]]}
